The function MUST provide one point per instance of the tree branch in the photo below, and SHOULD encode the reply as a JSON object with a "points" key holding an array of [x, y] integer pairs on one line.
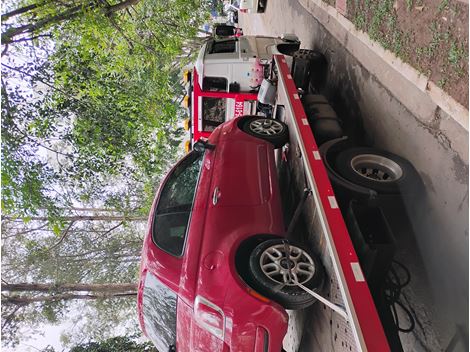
{"points": [[62, 237], [19, 11]]}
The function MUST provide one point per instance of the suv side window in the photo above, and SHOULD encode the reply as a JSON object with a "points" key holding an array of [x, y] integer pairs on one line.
{"points": [[174, 206], [159, 312]]}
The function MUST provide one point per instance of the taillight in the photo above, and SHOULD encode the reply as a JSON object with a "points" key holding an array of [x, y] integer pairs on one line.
{"points": [[209, 316]]}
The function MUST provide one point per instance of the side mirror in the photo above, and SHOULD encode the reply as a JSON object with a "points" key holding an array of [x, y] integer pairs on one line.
{"points": [[201, 145]]}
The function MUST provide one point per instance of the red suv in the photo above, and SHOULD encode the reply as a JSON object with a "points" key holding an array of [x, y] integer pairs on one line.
{"points": [[217, 272]]}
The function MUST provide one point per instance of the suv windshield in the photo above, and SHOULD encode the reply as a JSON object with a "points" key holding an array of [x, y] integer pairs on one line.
{"points": [[159, 312], [174, 206]]}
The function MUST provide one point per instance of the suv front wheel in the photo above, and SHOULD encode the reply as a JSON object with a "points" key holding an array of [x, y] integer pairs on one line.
{"points": [[271, 130]]}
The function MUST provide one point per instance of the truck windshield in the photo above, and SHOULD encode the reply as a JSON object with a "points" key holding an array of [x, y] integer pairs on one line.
{"points": [[223, 46], [213, 112], [159, 312]]}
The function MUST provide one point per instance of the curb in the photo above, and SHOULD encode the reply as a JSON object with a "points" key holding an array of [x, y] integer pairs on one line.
{"points": [[345, 32]]}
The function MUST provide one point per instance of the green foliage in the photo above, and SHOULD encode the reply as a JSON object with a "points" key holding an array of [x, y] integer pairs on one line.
{"points": [[115, 344], [89, 119]]}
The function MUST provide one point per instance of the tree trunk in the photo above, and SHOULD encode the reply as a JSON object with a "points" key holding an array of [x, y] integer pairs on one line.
{"points": [[86, 218], [31, 287], [44, 23], [19, 11], [25, 300]]}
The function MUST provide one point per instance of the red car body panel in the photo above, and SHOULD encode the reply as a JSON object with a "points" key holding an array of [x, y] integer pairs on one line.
{"points": [[241, 171]]}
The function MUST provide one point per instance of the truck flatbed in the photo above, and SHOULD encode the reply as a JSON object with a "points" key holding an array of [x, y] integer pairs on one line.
{"points": [[345, 285]]}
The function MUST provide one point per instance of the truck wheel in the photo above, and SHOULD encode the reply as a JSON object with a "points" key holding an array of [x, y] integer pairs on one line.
{"points": [[271, 130], [269, 268], [378, 170], [309, 66]]}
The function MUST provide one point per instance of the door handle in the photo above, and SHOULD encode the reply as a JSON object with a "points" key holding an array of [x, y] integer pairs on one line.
{"points": [[215, 195]]}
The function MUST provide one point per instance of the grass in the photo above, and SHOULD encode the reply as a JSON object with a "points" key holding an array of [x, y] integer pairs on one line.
{"points": [[409, 5], [456, 53], [435, 49], [443, 5]]}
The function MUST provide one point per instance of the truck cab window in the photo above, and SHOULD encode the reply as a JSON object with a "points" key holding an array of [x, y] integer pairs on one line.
{"points": [[213, 112], [223, 46], [214, 84]]}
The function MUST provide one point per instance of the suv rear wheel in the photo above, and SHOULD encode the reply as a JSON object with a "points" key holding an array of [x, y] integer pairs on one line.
{"points": [[277, 265]]}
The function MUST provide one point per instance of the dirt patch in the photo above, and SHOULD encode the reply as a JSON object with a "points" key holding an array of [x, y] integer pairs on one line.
{"points": [[430, 35]]}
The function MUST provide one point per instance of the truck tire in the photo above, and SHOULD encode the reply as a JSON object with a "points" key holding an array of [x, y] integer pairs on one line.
{"points": [[271, 130], [322, 118], [344, 190], [309, 66], [268, 267], [381, 171]]}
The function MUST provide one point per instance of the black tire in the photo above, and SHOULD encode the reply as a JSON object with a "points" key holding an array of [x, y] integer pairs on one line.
{"points": [[288, 295], [376, 169], [322, 118], [309, 66], [280, 136]]}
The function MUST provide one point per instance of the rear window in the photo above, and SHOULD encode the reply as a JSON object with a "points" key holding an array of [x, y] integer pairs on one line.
{"points": [[159, 312], [175, 204]]}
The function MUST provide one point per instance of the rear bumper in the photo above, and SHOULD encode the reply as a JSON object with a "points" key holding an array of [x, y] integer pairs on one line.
{"points": [[253, 325]]}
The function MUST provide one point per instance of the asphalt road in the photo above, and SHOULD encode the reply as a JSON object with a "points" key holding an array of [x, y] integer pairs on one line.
{"points": [[434, 244]]}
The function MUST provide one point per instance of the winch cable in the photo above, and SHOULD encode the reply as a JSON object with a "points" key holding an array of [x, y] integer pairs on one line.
{"points": [[338, 309], [290, 229]]}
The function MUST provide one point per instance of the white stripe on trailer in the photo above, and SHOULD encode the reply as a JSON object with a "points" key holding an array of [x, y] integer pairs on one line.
{"points": [[357, 271], [333, 202]]}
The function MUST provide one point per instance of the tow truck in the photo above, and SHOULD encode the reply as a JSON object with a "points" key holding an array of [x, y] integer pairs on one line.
{"points": [[226, 77], [333, 187]]}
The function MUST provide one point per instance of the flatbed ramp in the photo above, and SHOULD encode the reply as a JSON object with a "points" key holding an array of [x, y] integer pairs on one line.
{"points": [[344, 285]]}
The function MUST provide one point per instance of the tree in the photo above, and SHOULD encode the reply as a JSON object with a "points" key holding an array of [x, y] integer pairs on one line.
{"points": [[115, 344], [90, 94], [39, 302], [40, 16]]}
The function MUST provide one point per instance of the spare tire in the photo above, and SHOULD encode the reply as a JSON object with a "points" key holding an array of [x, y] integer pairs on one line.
{"points": [[309, 66], [376, 169]]}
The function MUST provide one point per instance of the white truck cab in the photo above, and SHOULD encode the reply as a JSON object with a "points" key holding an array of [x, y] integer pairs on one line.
{"points": [[227, 76]]}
